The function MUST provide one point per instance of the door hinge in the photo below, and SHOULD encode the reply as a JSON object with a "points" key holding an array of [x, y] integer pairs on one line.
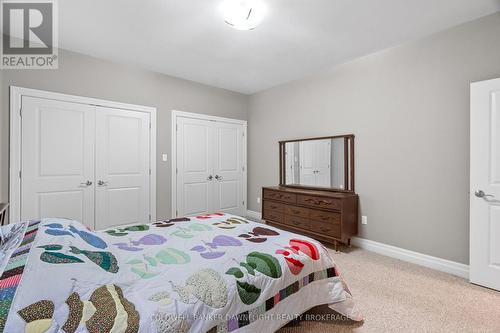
{"points": [[19, 173], [150, 172], [176, 127], [20, 112], [243, 134], [176, 213], [149, 125], [176, 170], [150, 217], [243, 203], [243, 169]]}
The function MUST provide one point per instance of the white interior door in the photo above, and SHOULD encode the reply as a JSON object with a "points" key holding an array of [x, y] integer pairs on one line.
{"points": [[57, 168], [307, 168], [122, 170], [228, 162], [485, 184], [210, 161], [195, 175], [323, 158], [315, 160]]}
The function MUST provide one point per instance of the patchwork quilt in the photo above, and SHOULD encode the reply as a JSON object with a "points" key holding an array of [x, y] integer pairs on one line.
{"points": [[209, 273]]}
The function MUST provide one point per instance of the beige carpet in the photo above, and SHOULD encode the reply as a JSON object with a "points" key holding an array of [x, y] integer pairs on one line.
{"points": [[396, 296]]}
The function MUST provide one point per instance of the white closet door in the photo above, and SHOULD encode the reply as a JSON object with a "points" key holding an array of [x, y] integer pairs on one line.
{"points": [[307, 167], [315, 159], [228, 168], [195, 176], [122, 167], [57, 160]]}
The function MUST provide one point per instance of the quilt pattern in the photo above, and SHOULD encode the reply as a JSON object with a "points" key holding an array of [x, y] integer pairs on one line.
{"points": [[13, 272], [206, 273]]}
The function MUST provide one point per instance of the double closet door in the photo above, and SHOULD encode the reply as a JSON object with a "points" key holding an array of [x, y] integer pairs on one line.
{"points": [[84, 162], [315, 159], [210, 167]]}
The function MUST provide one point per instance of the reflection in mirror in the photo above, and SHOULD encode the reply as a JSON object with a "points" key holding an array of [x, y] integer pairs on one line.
{"points": [[317, 163]]}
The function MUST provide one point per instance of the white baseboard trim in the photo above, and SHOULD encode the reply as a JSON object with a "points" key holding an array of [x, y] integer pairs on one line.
{"points": [[443, 265], [254, 214]]}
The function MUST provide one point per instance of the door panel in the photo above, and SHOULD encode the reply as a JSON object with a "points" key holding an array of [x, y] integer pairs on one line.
{"points": [[228, 168], [485, 177], [57, 161], [68, 204], [194, 166], [229, 198], [196, 198], [124, 213], [122, 167], [495, 139], [494, 243]]}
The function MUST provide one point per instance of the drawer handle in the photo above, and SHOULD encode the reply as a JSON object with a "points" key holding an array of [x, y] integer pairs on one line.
{"points": [[279, 196], [325, 229], [319, 202]]}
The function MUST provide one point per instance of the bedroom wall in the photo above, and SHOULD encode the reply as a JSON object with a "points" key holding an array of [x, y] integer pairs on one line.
{"points": [[86, 76], [409, 109]]}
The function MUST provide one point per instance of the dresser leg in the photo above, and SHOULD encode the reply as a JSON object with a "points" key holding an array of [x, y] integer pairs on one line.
{"points": [[336, 244], [349, 242]]}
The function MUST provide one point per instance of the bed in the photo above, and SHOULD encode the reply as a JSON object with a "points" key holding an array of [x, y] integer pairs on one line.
{"points": [[208, 273]]}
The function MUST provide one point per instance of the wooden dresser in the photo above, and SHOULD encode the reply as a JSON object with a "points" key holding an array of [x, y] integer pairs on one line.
{"points": [[324, 215]]}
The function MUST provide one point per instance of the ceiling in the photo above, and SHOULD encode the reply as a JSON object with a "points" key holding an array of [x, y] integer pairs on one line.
{"points": [[189, 39]]}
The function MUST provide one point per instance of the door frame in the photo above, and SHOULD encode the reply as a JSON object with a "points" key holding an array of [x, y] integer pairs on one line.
{"points": [[182, 114], [16, 94]]}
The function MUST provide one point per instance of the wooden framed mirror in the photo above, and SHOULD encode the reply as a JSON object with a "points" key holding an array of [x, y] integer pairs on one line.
{"points": [[323, 163]]}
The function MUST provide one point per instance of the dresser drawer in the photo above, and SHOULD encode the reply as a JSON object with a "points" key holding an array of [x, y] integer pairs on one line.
{"points": [[329, 230], [270, 215], [296, 211], [320, 202], [280, 196], [297, 221], [274, 206], [332, 230], [327, 217]]}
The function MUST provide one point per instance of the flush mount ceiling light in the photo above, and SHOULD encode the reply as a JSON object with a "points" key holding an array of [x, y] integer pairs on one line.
{"points": [[243, 14]]}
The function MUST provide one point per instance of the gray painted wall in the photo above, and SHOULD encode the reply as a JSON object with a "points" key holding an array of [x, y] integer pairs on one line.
{"points": [[408, 106], [86, 76], [409, 109]]}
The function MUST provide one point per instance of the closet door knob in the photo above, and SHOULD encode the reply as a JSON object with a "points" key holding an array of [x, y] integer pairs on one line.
{"points": [[218, 177], [210, 178], [102, 183], [87, 183]]}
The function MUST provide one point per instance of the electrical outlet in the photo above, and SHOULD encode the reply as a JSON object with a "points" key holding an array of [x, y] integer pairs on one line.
{"points": [[258, 200], [364, 219], [164, 157]]}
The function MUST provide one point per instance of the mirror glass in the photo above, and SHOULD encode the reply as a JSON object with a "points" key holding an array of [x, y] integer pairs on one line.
{"points": [[322, 163]]}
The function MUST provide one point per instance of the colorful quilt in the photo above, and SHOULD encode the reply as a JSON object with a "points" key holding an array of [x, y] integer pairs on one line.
{"points": [[209, 273]]}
